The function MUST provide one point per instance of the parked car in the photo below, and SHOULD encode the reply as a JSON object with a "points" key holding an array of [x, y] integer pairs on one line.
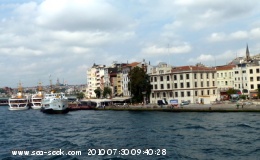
{"points": [[185, 103]]}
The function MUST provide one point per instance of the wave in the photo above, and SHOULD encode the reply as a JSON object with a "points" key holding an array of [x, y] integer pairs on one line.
{"points": [[244, 125]]}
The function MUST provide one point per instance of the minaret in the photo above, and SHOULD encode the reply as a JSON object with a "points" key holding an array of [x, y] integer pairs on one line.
{"points": [[247, 53]]}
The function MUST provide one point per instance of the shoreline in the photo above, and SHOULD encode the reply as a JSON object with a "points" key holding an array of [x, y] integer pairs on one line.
{"points": [[186, 108]]}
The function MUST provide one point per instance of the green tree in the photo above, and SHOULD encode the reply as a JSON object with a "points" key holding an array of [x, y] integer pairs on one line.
{"points": [[98, 92], [139, 84], [80, 95], [107, 91], [231, 91]]}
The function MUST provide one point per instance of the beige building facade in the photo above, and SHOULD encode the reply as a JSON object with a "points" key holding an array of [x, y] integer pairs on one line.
{"points": [[196, 84]]}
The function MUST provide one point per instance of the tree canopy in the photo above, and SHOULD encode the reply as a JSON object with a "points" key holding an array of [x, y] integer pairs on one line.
{"points": [[98, 92], [80, 95], [107, 91], [139, 84]]}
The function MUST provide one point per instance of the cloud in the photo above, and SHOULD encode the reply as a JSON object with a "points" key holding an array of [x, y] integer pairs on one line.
{"points": [[155, 50], [238, 35], [80, 15], [202, 58]]}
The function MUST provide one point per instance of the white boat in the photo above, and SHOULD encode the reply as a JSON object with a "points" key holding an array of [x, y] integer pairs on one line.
{"points": [[19, 101], [36, 99], [55, 103]]}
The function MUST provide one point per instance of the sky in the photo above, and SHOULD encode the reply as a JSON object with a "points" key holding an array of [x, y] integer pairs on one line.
{"points": [[60, 39]]}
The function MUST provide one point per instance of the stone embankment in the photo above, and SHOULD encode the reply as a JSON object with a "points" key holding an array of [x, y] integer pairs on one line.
{"points": [[216, 107]]}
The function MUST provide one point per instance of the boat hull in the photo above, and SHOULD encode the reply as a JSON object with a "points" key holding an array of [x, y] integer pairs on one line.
{"points": [[52, 111], [18, 108], [36, 107]]}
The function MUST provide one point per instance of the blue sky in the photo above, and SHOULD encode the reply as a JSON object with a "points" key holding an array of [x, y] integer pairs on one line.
{"points": [[63, 38]]}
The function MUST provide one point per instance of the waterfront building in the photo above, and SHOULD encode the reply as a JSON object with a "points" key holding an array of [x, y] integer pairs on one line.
{"points": [[125, 79], [196, 84], [225, 80], [95, 79]]}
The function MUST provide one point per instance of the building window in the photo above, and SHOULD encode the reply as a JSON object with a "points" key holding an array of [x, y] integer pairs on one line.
{"points": [[175, 85], [207, 83], [168, 78], [155, 86], [251, 71], [202, 93], [188, 84], [155, 79], [176, 94], [170, 94], [195, 76], [257, 70], [182, 85], [196, 93], [208, 92], [258, 78], [201, 84], [213, 75], [201, 76], [175, 77], [162, 86], [207, 75], [214, 92], [188, 93], [213, 83], [252, 86], [182, 94], [251, 79], [151, 79], [187, 76], [164, 94], [195, 85], [161, 78], [181, 77], [236, 72], [152, 95], [158, 95]]}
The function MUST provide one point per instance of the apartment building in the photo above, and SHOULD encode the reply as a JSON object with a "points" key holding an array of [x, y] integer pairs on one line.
{"points": [[225, 80], [196, 84], [125, 70], [95, 79], [253, 74]]}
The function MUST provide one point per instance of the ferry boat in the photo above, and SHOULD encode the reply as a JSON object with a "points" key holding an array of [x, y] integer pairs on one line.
{"points": [[55, 103], [19, 101], [36, 99]]}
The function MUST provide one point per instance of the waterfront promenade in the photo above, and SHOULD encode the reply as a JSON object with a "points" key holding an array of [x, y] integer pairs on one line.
{"points": [[223, 107]]}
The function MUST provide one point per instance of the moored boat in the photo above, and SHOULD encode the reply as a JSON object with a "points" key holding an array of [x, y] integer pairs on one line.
{"points": [[55, 103], [36, 99], [19, 101]]}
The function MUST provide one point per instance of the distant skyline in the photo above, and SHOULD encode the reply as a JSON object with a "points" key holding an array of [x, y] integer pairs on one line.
{"points": [[63, 38]]}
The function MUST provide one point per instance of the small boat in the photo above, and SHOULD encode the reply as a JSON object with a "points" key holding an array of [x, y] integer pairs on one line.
{"points": [[36, 99], [19, 101], [55, 103]]}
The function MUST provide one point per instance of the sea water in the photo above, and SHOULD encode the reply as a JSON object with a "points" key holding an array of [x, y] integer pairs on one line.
{"points": [[129, 135]]}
